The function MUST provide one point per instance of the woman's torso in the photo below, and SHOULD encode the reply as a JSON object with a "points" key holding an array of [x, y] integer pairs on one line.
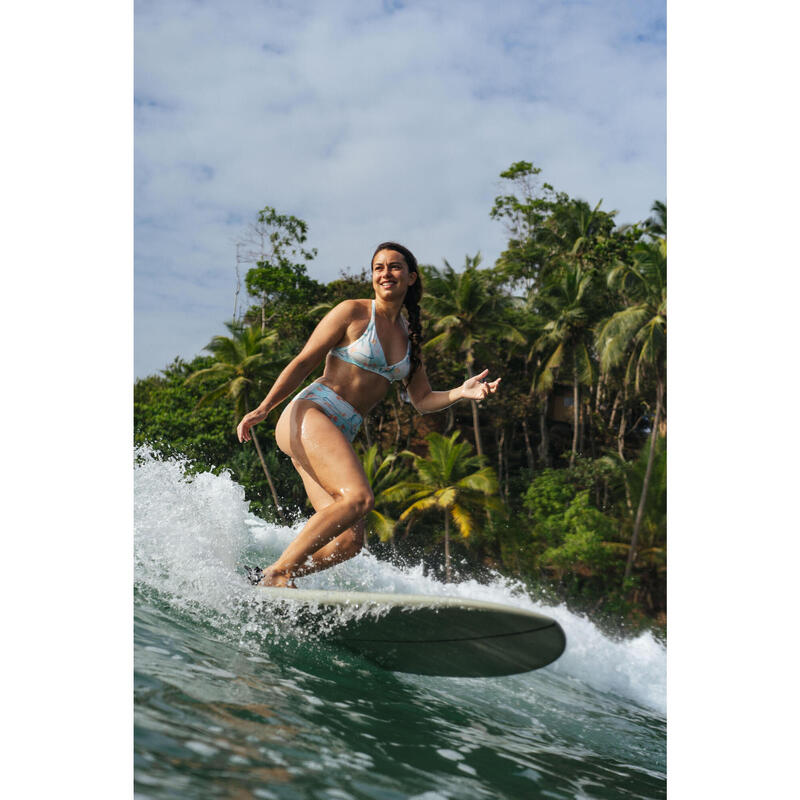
{"points": [[380, 349]]}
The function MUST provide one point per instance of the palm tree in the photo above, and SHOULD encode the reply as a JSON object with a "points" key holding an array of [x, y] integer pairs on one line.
{"points": [[381, 475], [567, 337], [241, 364], [467, 315], [451, 480], [656, 225], [639, 332], [573, 226]]}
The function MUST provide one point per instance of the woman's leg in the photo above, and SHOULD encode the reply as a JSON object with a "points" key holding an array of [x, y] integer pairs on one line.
{"points": [[325, 459], [343, 547]]}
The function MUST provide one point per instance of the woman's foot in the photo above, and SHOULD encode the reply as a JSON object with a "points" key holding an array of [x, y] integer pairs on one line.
{"points": [[269, 577], [278, 580]]}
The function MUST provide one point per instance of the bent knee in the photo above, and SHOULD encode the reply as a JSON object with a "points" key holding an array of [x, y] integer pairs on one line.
{"points": [[361, 501]]}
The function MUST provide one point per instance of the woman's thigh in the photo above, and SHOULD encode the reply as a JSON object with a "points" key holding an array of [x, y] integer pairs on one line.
{"points": [[316, 494], [323, 456]]}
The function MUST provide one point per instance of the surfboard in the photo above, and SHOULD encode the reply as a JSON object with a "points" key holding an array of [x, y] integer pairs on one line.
{"points": [[426, 635]]}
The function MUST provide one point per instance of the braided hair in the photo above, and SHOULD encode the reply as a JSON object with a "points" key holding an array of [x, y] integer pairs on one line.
{"points": [[411, 302]]}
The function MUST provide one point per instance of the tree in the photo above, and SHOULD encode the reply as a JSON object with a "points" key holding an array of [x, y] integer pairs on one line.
{"points": [[573, 226], [166, 416], [241, 365], [449, 479], [348, 286], [639, 333], [567, 336], [381, 475], [279, 278], [523, 213], [467, 315], [656, 225]]}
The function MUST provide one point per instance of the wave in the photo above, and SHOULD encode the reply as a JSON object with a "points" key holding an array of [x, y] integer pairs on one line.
{"points": [[194, 533]]}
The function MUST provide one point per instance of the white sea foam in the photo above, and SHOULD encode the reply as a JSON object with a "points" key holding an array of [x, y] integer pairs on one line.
{"points": [[192, 535]]}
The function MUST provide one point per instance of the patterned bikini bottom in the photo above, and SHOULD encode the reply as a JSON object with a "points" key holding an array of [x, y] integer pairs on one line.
{"points": [[336, 408]]}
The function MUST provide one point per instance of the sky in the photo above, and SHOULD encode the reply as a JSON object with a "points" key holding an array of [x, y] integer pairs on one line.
{"points": [[371, 121]]}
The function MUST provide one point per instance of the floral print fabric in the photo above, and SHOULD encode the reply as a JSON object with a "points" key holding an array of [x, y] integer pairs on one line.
{"points": [[337, 409]]}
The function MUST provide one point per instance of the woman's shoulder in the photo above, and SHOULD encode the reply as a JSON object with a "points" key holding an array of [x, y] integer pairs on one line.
{"points": [[353, 309]]}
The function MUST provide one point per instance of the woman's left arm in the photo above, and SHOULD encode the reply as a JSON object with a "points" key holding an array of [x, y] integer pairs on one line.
{"points": [[426, 401]]}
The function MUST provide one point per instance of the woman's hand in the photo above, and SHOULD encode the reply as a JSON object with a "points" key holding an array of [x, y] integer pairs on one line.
{"points": [[476, 389], [248, 420]]}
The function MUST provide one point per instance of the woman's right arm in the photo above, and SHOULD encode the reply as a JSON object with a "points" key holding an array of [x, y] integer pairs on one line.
{"points": [[326, 335]]}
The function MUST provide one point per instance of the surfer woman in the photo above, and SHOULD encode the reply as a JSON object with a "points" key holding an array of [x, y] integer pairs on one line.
{"points": [[366, 344]]}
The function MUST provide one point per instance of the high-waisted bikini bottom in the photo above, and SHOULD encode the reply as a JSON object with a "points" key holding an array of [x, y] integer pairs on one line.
{"points": [[336, 408]]}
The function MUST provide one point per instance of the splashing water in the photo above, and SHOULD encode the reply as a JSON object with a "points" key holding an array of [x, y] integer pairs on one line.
{"points": [[598, 709]]}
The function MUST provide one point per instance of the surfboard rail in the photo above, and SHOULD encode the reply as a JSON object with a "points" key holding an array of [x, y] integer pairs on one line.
{"points": [[430, 634]]}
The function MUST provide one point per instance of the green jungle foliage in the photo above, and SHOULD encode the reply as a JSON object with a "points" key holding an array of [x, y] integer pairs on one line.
{"points": [[558, 481]]}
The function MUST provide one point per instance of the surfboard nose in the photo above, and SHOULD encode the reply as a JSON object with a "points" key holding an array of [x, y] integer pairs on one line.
{"points": [[457, 642]]}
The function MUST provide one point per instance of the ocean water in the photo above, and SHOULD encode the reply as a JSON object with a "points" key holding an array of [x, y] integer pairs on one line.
{"points": [[232, 703]]}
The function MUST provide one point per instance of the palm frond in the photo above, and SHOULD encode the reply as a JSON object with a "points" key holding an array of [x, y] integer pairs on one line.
{"points": [[615, 336], [218, 371], [419, 506], [403, 490], [214, 395], [446, 497], [440, 340], [483, 481], [382, 525], [463, 520]]}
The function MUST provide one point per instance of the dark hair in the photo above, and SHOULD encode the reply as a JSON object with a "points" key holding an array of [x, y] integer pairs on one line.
{"points": [[411, 302]]}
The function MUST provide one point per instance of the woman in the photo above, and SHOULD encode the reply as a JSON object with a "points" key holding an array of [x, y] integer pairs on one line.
{"points": [[367, 344]]}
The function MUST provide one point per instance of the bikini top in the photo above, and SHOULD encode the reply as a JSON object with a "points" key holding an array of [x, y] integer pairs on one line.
{"points": [[366, 352]]}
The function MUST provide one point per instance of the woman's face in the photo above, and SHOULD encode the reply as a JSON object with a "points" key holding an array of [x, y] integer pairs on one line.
{"points": [[390, 275]]}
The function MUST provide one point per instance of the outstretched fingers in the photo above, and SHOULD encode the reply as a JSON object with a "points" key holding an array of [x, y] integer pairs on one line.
{"points": [[477, 388]]}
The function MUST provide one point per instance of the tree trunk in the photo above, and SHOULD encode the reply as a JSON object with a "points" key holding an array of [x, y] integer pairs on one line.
{"points": [[614, 409], [499, 445], [544, 444], [410, 432], [599, 393], [621, 434], [446, 546], [397, 422], [575, 418], [476, 425], [269, 477], [264, 466], [238, 285], [506, 471], [528, 449], [646, 483], [621, 451]]}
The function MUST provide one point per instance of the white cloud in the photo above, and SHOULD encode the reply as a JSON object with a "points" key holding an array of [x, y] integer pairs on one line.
{"points": [[372, 125]]}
